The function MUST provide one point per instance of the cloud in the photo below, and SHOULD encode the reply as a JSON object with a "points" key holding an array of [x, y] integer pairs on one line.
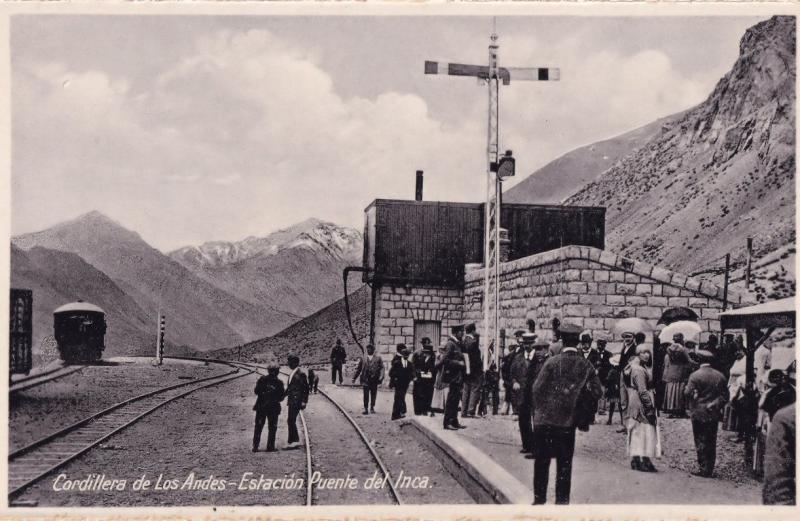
{"points": [[247, 133]]}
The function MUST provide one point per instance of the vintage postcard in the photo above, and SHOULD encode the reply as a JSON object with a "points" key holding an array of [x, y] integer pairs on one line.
{"points": [[429, 260]]}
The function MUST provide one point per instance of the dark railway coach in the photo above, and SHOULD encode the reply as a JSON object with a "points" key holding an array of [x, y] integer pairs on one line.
{"points": [[429, 242], [21, 331], [80, 330]]}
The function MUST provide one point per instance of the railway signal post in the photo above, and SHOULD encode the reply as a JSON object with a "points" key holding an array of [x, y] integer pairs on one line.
{"points": [[496, 170], [162, 326]]}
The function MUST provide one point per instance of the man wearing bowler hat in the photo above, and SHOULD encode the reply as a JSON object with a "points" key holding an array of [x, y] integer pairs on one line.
{"points": [[453, 367], [706, 394]]}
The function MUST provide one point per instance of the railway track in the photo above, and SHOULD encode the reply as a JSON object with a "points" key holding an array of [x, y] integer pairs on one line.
{"points": [[43, 377], [309, 448], [37, 460]]}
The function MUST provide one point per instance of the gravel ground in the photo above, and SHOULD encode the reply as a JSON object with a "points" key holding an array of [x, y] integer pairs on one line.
{"points": [[337, 451], [601, 474], [44, 409], [208, 433], [398, 450], [677, 445]]}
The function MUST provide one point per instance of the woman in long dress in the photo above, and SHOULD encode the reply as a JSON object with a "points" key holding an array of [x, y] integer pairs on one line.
{"points": [[676, 375], [641, 419]]}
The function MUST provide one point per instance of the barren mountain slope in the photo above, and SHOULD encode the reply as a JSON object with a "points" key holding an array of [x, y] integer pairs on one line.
{"points": [[199, 314], [560, 178], [58, 277], [722, 171]]}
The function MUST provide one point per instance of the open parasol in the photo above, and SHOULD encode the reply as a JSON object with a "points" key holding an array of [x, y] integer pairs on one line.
{"points": [[631, 325], [675, 314], [690, 330]]}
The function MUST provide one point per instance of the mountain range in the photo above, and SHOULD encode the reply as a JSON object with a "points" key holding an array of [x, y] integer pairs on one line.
{"points": [[689, 188], [265, 270], [681, 191], [98, 260]]}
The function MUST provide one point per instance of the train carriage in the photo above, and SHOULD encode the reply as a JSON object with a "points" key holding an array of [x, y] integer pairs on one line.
{"points": [[80, 329]]}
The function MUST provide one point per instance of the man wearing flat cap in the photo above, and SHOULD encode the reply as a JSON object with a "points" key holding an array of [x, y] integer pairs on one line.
{"points": [[706, 394], [454, 368]]}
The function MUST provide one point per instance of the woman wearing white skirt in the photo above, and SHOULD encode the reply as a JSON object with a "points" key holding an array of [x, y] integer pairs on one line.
{"points": [[643, 438]]}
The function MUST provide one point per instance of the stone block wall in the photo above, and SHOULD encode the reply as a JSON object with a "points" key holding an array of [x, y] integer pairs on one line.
{"points": [[397, 307], [593, 289]]}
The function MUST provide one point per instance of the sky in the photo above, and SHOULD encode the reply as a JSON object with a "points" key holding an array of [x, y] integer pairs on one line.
{"points": [[192, 129]]}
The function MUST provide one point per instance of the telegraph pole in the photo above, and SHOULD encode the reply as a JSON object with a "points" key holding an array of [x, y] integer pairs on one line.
{"points": [[496, 169]]}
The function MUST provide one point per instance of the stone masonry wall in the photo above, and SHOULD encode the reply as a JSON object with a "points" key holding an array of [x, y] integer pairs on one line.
{"points": [[593, 289], [397, 307]]}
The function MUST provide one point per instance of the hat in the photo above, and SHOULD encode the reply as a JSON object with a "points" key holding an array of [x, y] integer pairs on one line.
{"points": [[519, 332], [426, 342], [641, 348], [470, 327], [271, 368], [457, 328], [586, 337], [569, 329], [541, 344], [528, 338]]}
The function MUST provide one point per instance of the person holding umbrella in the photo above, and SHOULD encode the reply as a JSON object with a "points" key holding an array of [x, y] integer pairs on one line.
{"points": [[676, 373]]}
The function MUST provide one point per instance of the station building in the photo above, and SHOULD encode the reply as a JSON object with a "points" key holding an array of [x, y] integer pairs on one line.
{"points": [[425, 267]]}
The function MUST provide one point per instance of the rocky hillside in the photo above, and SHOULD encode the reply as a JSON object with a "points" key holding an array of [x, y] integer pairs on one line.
{"points": [[58, 277], [199, 314], [275, 270], [313, 337], [717, 173], [562, 177]]}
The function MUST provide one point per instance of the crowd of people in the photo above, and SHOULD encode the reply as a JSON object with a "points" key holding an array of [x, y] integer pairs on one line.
{"points": [[557, 387]]}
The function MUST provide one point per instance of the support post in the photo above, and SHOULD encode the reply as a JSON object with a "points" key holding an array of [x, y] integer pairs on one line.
{"points": [[162, 324], [751, 399], [749, 262], [727, 279]]}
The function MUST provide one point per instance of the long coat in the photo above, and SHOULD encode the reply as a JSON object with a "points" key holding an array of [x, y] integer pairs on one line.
{"points": [[638, 397], [519, 374], [676, 364], [558, 386], [707, 394]]}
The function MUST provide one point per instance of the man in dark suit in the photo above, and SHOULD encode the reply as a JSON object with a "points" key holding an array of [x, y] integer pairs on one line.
{"points": [[556, 393], [521, 391], [370, 371], [453, 367], [424, 363], [400, 375], [270, 392], [338, 357], [536, 361], [706, 394], [296, 397], [473, 381]]}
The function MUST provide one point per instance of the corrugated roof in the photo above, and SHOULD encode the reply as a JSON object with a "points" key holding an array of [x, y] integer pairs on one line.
{"points": [[786, 305]]}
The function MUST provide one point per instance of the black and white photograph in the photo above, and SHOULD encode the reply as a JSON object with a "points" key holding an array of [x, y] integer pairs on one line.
{"points": [[491, 256]]}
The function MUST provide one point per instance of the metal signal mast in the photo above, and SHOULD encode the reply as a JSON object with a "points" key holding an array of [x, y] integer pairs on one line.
{"points": [[496, 169]]}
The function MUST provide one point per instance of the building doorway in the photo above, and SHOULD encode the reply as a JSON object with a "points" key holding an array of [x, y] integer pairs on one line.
{"points": [[427, 328]]}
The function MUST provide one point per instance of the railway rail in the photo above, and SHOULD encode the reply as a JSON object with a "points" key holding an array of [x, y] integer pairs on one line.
{"points": [[308, 445], [35, 380], [39, 459]]}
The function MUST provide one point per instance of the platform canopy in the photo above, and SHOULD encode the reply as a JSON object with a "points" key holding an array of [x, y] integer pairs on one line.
{"points": [[777, 313]]}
